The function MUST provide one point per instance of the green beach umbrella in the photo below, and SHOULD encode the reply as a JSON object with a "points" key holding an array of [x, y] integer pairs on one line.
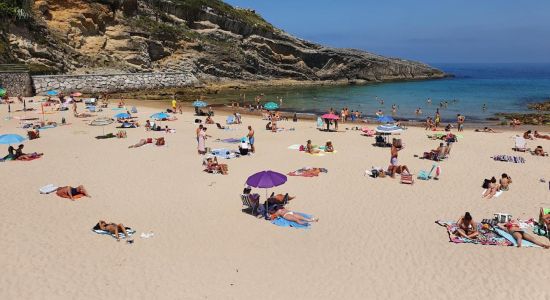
{"points": [[2, 92], [271, 106]]}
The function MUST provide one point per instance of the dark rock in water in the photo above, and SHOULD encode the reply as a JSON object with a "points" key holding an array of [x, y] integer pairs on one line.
{"points": [[492, 119], [541, 106], [208, 38], [529, 119]]}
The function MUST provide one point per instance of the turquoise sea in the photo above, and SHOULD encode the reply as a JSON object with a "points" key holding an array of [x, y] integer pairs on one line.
{"points": [[501, 87]]}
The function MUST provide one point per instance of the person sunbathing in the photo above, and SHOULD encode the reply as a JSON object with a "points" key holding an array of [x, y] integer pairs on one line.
{"points": [[539, 151], [437, 153], [310, 149], [485, 129], [505, 182], [209, 120], [71, 192], [398, 169], [147, 125], [512, 227], [279, 198], [467, 228], [492, 189], [19, 155], [113, 229], [212, 164], [329, 147], [286, 214], [11, 154], [528, 135], [142, 142], [541, 136]]}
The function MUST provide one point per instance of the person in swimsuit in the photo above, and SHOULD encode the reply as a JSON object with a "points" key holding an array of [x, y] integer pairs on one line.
{"points": [[492, 189], [395, 148], [70, 192], [505, 182], [467, 228], [329, 147], [539, 151], [250, 137], [11, 153], [310, 149], [292, 216], [544, 217], [113, 228], [512, 227], [541, 136]]}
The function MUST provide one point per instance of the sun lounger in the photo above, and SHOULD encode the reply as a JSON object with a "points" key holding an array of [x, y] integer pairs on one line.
{"points": [[520, 144]]}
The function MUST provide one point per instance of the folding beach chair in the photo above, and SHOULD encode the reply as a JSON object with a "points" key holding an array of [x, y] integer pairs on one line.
{"points": [[248, 203], [520, 144]]}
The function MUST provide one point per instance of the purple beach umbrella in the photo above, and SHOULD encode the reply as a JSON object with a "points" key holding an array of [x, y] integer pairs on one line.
{"points": [[266, 179]]}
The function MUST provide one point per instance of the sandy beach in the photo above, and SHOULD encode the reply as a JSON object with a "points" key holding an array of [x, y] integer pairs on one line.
{"points": [[376, 238]]}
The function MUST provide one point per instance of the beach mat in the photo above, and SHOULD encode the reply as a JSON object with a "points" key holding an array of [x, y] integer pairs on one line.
{"points": [[286, 223], [129, 230], [485, 237]]}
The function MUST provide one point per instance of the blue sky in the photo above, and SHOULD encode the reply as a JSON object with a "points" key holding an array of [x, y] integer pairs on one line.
{"points": [[433, 31]]}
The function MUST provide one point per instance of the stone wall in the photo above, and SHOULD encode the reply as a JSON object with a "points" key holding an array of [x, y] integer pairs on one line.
{"points": [[16, 83], [97, 83]]}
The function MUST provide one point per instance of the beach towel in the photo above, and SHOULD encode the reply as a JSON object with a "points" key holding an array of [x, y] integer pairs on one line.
{"points": [[509, 158], [47, 189], [224, 153], [279, 221], [512, 240], [77, 196], [229, 141], [129, 230], [495, 196], [308, 172], [485, 237]]}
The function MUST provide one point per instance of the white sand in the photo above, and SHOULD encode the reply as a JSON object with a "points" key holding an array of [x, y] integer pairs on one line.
{"points": [[376, 238]]}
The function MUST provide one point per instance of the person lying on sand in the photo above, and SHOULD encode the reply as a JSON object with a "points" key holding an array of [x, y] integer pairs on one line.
{"points": [[492, 189], [539, 151], [212, 164], [71, 192], [142, 142], [310, 149], [505, 182], [82, 115], [286, 214], [541, 136], [279, 198], [113, 228], [512, 227], [485, 129], [544, 217], [329, 147], [467, 228], [209, 120]]}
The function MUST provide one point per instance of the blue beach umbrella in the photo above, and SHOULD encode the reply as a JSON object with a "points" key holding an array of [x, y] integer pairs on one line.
{"points": [[8, 139], [388, 129], [122, 116], [160, 116], [271, 106], [199, 103], [52, 93], [385, 119]]}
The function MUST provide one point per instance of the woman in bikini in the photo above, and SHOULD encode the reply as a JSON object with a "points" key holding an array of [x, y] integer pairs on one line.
{"points": [[293, 216], [113, 228], [512, 227], [310, 149], [493, 188], [71, 192], [505, 182], [467, 227]]}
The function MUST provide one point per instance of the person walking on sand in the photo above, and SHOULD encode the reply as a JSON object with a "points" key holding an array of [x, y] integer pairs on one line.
{"points": [[250, 136], [437, 118], [202, 141], [460, 122]]}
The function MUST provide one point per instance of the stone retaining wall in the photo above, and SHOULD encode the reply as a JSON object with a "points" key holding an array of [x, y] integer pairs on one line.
{"points": [[16, 83], [97, 83]]}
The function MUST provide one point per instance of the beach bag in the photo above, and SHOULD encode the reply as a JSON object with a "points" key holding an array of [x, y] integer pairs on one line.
{"points": [[374, 173], [302, 148]]}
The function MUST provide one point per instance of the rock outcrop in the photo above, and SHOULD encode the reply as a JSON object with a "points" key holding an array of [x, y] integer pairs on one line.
{"points": [[208, 38]]}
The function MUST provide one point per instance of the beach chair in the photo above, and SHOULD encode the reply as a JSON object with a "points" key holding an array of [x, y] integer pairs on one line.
{"points": [[248, 203], [520, 144], [407, 178], [423, 175]]}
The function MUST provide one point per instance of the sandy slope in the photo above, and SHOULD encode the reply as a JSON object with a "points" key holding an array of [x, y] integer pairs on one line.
{"points": [[376, 237]]}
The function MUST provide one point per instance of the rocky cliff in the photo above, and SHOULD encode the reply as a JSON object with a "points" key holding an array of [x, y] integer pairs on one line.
{"points": [[209, 38]]}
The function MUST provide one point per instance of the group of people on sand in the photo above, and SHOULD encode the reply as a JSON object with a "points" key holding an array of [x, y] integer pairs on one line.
{"points": [[347, 115], [539, 150], [493, 187], [468, 228], [395, 167], [18, 154], [311, 149]]}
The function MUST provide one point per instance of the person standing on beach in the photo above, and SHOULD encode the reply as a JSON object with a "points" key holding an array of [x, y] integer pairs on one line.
{"points": [[198, 131], [460, 122], [437, 118], [250, 136]]}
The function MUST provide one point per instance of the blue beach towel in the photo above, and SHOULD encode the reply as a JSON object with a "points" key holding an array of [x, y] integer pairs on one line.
{"points": [[286, 223], [509, 237]]}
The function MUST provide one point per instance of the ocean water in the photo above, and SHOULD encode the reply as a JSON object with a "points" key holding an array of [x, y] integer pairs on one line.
{"points": [[501, 87]]}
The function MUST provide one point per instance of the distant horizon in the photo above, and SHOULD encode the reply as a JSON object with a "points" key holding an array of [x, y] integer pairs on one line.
{"points": [[491, 31]]}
